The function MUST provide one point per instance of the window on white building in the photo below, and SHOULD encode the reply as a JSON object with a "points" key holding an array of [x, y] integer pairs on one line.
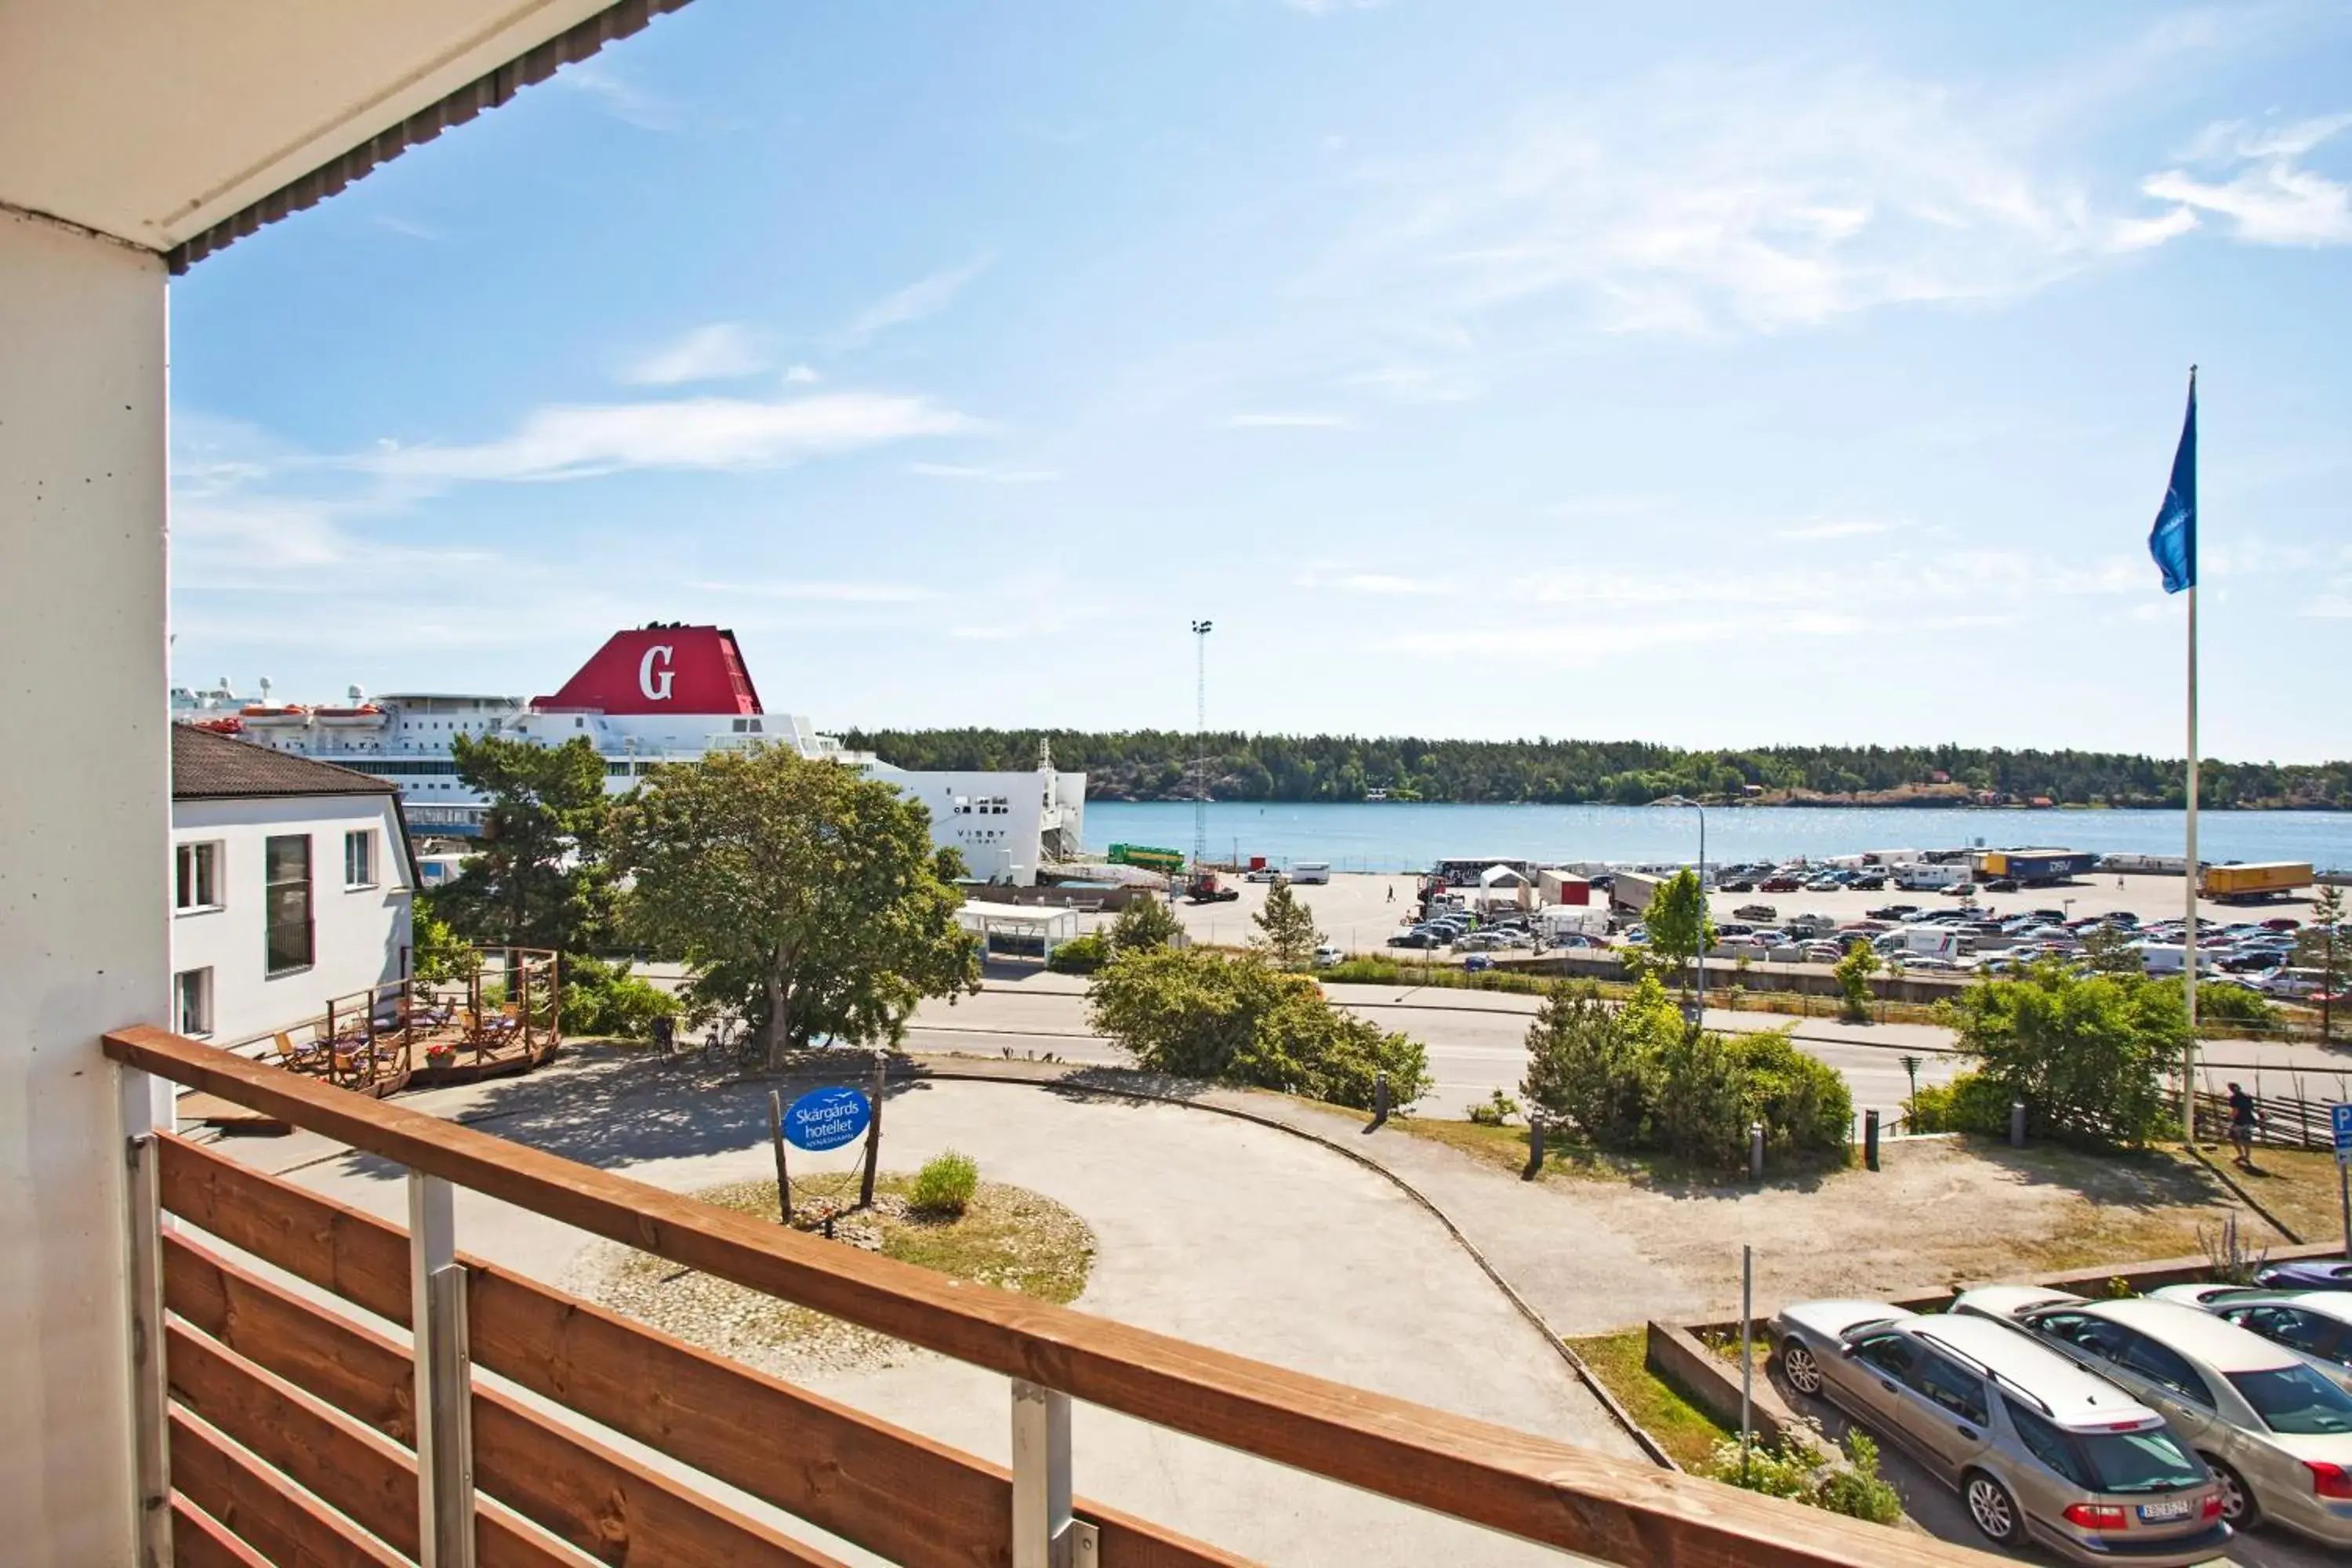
{"points": [[195, 883], [192, 1002], [287, 858], [358, 859]]}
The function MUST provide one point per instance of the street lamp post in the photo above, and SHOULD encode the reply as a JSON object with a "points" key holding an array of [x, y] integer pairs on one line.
{"points": [[1698, 961]]}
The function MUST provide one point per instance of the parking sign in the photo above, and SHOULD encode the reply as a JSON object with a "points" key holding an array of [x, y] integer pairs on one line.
{"points": [[2340, 1118]]}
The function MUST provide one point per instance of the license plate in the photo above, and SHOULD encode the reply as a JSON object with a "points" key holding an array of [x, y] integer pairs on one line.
{"points": [[2158, 1512]]}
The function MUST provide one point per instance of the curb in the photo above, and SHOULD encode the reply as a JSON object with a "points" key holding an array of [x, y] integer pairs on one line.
{"points": [[1584, 1375]]}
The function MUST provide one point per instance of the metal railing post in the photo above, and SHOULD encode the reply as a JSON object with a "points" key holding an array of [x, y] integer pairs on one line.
{"points": [[143, 1208], [444, 1397], [1043, 1533]]}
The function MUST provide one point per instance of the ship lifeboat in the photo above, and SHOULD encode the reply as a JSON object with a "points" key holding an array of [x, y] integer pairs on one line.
{"points": [[366, 716], [260, 718], [221, 726]]}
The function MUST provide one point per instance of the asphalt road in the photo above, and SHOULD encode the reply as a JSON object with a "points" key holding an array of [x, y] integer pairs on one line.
{"points": [[1476, 1040]]}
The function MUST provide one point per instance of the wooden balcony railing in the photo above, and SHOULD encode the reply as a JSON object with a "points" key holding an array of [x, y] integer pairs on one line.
{"points": [[290, 1430]]}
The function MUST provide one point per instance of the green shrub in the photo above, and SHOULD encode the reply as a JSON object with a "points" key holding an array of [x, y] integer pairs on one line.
{"points": [[1080, 955], [1802, 1101], [945, 1185], [1635, 1076], [1145, 922], [1794, 1468], [2087, 1055], [1495, 1111], [1854, 973], [606, 999], [1971, 1102], [1198, 1013], [2229, 1005]]}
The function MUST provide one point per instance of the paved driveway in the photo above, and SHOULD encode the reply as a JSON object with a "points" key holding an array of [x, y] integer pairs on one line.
{"points": [[1234, 1235]]}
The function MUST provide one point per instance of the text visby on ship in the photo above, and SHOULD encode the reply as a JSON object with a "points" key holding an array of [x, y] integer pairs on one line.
{"points": [[662, 693]]}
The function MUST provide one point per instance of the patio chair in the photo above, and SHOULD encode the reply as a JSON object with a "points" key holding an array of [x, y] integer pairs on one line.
{"points": [[297, 1059]]}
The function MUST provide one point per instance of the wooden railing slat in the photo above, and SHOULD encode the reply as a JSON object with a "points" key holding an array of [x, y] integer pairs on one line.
{"points": [[1527, 1486], [367, 1477], [284, 1524], [200, 1541], [605, 1503], [843, 1471]]}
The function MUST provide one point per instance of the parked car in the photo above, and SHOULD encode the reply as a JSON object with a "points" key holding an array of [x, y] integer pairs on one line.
{"points": [[1868, 882], [1893, 912], [1326, 955], [1823, 953], [1421, 939], [1779, 885], [2002, 885], [1810, 925], [2315, 1324], [1262, 874], [2277, 1435], [1959, 890], [1756, 912], [2315, 1274], [2038, 1448], [1824, 885], [1734, 885]]}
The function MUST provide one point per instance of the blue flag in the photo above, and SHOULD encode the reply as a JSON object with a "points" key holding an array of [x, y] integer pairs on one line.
{"points": [[2173, 539]]}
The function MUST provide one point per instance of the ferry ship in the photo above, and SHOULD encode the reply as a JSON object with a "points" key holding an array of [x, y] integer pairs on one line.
{"points": [[664, 692]]}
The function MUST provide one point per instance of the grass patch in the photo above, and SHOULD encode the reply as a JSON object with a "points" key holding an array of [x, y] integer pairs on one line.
{"points": [[2298, 1186], [1683, 1430]]}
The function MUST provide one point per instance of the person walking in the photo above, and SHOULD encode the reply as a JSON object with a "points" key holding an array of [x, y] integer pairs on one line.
{"points": [[1393, 892], [2243, 1118]]}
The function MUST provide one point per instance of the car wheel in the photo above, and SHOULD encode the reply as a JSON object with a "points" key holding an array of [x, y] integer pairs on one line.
{"points": [[2237, 1505], [1804, 1373], [1992, 1509]]}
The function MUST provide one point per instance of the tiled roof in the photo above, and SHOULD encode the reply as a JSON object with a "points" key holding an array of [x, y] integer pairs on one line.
{"points": [[208, 766]]}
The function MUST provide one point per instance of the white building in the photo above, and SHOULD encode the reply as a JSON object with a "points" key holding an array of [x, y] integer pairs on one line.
{"points": [[291, 884]]}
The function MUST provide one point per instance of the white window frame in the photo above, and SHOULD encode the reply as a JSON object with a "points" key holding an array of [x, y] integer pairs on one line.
{"points": [[365, 839], [209, 852], [203, 989]]}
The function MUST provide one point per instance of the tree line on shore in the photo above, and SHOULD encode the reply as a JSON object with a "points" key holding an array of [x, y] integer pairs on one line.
{"points": [[1158, 764]]}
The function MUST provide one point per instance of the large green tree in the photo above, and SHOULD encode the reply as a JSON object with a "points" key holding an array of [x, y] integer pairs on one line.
{"points": [[1679, 926], [803, 896], [543, 877]]}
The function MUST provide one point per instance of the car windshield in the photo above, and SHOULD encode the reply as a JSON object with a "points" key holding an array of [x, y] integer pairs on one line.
{"points": [[2147, 1462], [2295, 1400]]}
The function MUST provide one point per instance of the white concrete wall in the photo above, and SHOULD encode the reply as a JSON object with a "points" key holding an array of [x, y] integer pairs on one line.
{"points": [[84, 813], [358, 933]]}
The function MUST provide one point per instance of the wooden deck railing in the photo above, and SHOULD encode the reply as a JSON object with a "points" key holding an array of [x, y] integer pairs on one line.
{"points": [[293, 1426]]}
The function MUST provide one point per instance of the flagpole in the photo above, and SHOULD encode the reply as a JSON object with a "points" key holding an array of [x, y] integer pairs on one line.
{"points": [[2190, 876]]}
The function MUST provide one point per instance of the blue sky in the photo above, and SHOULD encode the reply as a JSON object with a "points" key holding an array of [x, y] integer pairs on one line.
{"points": [[1481, 368]]}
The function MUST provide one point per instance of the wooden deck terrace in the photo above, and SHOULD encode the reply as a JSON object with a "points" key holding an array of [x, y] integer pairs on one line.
{"points": [[275, 1429]]}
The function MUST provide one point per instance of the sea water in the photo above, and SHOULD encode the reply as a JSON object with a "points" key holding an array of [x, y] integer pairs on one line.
{"points": [[1409, 836]]}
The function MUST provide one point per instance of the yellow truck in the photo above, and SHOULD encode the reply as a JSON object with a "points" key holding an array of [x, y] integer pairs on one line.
{"points": [[2268, 880]]}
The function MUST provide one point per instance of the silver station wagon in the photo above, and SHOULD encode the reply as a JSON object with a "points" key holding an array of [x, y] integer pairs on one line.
{"points": [[2038, 1448], [2277, 1434]]}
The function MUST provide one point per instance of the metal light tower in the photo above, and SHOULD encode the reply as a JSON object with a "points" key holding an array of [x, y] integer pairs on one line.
{"points": [[1201, 630]]}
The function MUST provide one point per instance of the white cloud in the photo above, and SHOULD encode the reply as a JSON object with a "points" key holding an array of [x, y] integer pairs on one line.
{"points": [[1855, 528], [1699, 202], [1415, 384], [1383, 582], [721, 351], [619, 97], [2271, 198], [829, 593], [576, 442], [1329, 8], [1291, 421], [925, 297], [986, 475], [801, 376]]}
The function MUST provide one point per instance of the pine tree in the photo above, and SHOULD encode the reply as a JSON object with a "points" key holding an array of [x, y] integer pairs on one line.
{"points": [[1287, 933]]}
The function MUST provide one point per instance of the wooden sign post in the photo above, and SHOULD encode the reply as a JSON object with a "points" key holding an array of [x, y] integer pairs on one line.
{"points": [[873, 1134], [776, 1135]]}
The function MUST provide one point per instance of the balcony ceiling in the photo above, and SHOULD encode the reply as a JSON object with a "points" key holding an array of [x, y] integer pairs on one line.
{"points": [[164, 123]]}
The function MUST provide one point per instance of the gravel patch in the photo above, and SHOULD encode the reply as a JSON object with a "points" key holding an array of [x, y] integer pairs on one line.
{"points": [[1009, 1238]]}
